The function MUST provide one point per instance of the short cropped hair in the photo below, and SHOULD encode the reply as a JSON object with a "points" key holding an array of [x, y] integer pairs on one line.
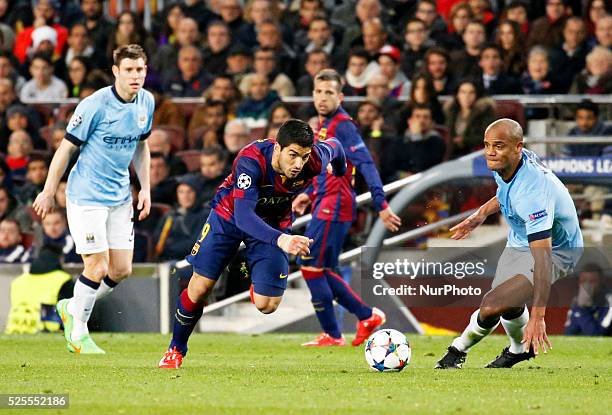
{"points": [[294, 131], [330, 75], [131, 51]]}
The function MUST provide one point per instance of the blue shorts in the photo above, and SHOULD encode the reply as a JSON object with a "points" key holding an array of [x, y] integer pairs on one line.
{"points": [[328, 240], [219, 241]]}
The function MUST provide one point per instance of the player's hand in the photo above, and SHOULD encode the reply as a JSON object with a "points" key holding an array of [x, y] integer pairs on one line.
{"points": [[43, 204], [391, 221], [144, 204], [535, 336], [294, 244], [464, 228], [300, 203]]}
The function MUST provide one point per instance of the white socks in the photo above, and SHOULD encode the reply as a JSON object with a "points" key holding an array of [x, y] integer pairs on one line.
{"points": [[472, 334], [81, 305], [515, 328], [106, 287]]}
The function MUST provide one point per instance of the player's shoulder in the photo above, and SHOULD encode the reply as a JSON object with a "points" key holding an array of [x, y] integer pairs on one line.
{"points": [[147, 96], [258, 150]]}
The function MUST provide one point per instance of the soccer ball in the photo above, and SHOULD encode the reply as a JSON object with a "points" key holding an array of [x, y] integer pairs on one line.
{"points": [[387, 350]]}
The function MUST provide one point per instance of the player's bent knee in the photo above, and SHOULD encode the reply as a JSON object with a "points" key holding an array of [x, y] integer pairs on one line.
{"points": [[120, 273], [199, 287]]}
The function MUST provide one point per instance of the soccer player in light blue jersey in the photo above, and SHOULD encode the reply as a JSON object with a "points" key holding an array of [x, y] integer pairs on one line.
{"points": [[110, 128], [544, 244]]}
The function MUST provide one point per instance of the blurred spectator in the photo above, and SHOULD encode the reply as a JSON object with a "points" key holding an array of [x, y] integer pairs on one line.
{"points": [[596, 78], [11, 249], [389, 62], [517, 12], [43, 85], [427, 11], [591, 310], [299, 21], [20, 117], [460, 15], [595, 10], [55, 233], [174, 234], [213, 170], [269, 36], [235, 137], [377, 136], [78, 69], [8, 71], [198, 10], [159, 142], [162, 184], [467, 115], [603, 32], [321, 37], [547, 30], [465, 61], [239, 62], [231, 13], [358, 73], [7, 98], [191, 80], [351, 16], [213, 116], [60, 194], [416, 43], [255, 108], [44, 27], [316, 60], [6, 180], [374, 36], [587, 124], [255, 12], [423, 93], [511, 42], [571, 54], [218, 40], [16, 14], [36, 174], [129, 29], [481, 9], [11, 209], [419, 147], [166, 111], [437, 66], [378, 92], [170, 17], [98, 26], [224, 90], [18, 153], [266, 65], [58, 131], [494, 80], [538, 79], [164, 61], [279, 113]]}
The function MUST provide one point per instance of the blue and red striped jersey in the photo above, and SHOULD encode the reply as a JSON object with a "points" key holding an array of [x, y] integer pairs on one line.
{"points": [[334, 197], [253, 179]]}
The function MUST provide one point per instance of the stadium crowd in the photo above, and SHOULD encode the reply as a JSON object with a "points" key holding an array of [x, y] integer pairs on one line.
{"points": [[245, 57]]}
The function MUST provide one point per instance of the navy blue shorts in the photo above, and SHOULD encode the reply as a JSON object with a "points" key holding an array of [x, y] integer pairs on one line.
{"points": [[219, 241], [328, 240]]}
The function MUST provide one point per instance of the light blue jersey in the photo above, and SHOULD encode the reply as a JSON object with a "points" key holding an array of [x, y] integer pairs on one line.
{"points": [[107, 129], [537, 205]]}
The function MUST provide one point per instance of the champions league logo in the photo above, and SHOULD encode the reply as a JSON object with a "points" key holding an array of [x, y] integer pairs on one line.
{"points": [[76, 120], [244, 181]]}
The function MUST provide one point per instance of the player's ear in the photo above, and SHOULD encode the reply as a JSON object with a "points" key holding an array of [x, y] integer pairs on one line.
{"points": [[115, 69]]}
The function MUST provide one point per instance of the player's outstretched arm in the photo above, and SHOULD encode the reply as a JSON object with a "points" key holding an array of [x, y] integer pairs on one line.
{"points": [[142, 164], [300, 203], [45, 201], [535, 332], [464, 228]]}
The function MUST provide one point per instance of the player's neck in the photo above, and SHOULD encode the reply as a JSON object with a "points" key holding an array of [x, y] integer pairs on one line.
{"points": [[125, 96], [509, 173]]}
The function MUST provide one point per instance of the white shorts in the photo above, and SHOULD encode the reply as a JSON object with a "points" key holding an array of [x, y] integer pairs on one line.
{"points": [[100, 228], [515, 261]]}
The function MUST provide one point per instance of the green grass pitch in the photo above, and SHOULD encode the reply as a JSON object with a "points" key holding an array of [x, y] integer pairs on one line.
{"points": [[272, 374]]}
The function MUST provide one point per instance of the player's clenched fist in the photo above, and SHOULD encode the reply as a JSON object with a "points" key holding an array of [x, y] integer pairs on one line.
{"points": [[294, 244], [43, 204]]}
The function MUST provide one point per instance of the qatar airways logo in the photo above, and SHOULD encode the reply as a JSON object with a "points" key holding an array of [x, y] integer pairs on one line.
{"points": [[273, 200]]}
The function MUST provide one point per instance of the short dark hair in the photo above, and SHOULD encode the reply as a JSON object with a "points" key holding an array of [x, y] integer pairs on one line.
{"points": [[421, 107], [493, 46], [38, 157], [215, 103], [43, 56], [516, 5], [295, 131], [215, 150], [360, 52], [588, 105], [330, 75], [131, 51], [158, 155]]}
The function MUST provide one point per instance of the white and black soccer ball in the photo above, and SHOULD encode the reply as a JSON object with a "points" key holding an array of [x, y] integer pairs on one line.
{"points": [[387, 350]]}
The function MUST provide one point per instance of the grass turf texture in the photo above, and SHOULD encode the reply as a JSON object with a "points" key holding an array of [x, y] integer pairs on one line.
{"points": [[233, 374]]}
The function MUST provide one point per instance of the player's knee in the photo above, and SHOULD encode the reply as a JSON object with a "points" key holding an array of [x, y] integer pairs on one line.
{"points": [[96, 271], [199, 287], [118, 273], [268, 308], [266, 305]]}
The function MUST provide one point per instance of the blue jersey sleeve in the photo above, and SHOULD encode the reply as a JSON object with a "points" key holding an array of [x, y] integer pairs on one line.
{"points": [[331, 151], [246, 192], [357, 153], [151, 110], [537, 210], [84, 121]]}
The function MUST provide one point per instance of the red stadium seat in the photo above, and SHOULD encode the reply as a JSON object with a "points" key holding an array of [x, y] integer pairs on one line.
{"points": [[160, 209], [176, 134], [191, 158], [511, 109]]}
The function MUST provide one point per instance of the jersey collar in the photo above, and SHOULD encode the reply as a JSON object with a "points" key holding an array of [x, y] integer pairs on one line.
{"points": [[123, 101], [518, 167]]}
